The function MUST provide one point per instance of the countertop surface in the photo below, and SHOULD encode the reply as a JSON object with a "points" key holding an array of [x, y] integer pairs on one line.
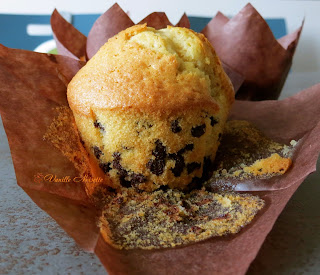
{"points": [[32, 243]]}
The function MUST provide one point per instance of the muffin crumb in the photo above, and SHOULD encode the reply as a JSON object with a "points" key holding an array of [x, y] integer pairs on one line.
{"points": [[171, 218]]}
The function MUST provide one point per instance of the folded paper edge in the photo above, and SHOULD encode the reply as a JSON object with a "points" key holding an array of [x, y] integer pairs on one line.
{"points": [[56, 20]]}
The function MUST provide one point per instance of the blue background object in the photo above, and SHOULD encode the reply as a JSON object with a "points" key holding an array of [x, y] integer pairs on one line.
{"points": [[13, 28]]}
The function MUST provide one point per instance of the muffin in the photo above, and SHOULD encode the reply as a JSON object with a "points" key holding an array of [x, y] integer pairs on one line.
{"points": [[150, 107]]}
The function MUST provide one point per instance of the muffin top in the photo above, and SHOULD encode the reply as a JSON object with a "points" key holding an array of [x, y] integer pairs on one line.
{"points": [[163, 71]]}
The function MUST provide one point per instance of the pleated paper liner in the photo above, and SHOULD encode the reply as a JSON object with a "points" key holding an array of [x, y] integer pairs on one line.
{"points": [[258, 73]]}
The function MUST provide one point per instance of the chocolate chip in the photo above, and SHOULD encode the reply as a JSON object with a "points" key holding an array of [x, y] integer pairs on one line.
{"points": [[97, 152], [110, 189], [198, 131], [207, 168], [196, 183], [188, 147], [219, 137], [98, 125], [179, 160], [213, 121], [116, 156], [137, 178], [179, 164], [127, 178], [105, 167], [193, 166], [175, 127], [156, 166], [163, 188], [124, 182], [117, 165], [160, 152]]}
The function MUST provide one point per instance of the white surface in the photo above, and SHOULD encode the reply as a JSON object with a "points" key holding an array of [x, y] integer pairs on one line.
{"points": [[46, 47], [307, 58], [39, 30]]}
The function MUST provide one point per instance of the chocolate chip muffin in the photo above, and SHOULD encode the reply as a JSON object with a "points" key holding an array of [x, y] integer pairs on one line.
{"points": [[151, 106]]}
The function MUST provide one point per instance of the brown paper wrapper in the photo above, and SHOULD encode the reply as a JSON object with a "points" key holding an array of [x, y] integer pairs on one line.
{"points": [[34, 84], [246, 44], [70, 42], [31, 90]]}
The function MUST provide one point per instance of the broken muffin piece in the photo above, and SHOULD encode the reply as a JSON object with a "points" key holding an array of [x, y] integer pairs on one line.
{"points": [[245, 152], [171, 218]]}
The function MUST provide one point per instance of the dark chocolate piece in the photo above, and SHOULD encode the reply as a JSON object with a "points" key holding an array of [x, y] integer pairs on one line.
{"points": [[207, 168], [196, 183], [175, 127], [97, 152], [106, 167], [156, 166], [98, 125], [163, 188], [137, 178], [193, 166], [124, 182], [179, 165], [117, 165], [213, 121], [188, 147], [198, 131], [160, 152]]}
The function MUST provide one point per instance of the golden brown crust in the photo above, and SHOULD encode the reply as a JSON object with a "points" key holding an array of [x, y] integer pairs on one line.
{"points": [[275, 164], [134, 73]]}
